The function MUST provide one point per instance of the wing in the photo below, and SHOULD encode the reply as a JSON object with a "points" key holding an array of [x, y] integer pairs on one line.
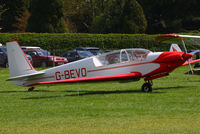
{"points": [[191, 62], [166, 37], [133, 76], [172, 36]]}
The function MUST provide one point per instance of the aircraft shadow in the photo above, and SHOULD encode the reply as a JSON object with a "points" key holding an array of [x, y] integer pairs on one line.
{"points": [[76, 93], [86, 93], [176, 87], [4, 92]]}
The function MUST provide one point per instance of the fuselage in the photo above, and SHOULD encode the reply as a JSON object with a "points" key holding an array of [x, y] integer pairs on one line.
{"points": [[145, 63]]}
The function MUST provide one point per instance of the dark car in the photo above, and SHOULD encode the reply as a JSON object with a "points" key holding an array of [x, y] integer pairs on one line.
{"points": [[195, 56], [43, 58], [76, 55], [93, 50], [4, 57]]}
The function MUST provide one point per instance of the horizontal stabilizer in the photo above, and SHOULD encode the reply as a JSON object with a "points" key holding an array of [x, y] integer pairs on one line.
{"points": [[25, 76]]}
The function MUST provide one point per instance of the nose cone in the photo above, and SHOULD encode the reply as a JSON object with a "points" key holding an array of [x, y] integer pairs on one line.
{"points": [[187, 56]]}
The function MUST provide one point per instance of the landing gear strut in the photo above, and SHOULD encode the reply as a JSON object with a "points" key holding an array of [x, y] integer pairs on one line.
{"points": [[147, 86], [31, 89]]}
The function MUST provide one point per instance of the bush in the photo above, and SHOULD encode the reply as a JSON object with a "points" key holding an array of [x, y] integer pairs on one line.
{"points": [[67, 41]]}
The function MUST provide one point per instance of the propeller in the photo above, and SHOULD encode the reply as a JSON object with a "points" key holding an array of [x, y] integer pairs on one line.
{"points": [[188, 59]]}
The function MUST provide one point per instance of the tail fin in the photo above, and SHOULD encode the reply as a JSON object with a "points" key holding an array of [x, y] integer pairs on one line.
{"points": [[19, 65], [175, 48]]}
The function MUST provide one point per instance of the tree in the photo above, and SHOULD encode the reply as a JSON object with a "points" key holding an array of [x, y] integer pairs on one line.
{"points": [[120, 16], [22, 22], [2, 10], [78, 14], [46, 16], [167, 16], [15, 9]]}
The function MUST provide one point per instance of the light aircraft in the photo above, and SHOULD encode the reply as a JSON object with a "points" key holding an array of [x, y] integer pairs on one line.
{"points": [[126, 64]]}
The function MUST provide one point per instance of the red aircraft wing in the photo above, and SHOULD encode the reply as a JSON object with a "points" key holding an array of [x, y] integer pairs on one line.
{"points": [[191, 62], [172, 36], [166, 37]]}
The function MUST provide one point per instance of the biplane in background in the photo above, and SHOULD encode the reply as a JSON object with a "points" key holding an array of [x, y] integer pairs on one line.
{"points": [[126, 64]]}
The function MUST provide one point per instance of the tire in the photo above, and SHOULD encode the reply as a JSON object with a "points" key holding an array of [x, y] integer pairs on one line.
{"points": [[6, 65], [30, 89], [146, 87], [43, 64]]}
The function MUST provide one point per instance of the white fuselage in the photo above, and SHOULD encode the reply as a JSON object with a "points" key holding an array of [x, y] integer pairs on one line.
{"points": [[90, 68]]}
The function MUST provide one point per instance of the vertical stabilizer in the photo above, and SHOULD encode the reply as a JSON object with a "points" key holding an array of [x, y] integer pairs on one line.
{"points": [[18, 61]]}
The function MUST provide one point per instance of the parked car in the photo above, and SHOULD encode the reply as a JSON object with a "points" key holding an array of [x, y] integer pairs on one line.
{"points": [[76, 55], [93, 50], [30, 47], [43, 58], [4, 57]]}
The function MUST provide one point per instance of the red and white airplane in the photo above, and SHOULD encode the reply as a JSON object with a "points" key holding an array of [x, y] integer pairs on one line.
{"points": [[131, 64]]}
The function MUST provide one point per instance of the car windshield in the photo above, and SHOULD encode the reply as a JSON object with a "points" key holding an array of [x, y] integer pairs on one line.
{"points": [[43, 53], [84, 54]]}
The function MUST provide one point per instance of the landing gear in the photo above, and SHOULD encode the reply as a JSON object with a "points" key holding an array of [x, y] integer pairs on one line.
{"points": [[31, 89], [147, 87]]}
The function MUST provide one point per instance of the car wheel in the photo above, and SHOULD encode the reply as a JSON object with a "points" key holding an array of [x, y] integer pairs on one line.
{"points": [[43, 64], [6, 65]]}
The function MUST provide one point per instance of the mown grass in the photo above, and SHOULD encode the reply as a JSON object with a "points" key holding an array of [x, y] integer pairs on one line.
{"points": [[102, 108]]}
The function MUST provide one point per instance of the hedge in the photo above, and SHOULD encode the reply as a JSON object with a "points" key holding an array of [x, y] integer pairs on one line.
{"points": [[68, 41]]}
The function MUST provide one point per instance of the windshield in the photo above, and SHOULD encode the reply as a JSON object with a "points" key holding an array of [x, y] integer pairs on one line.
{"points": [[121, 56], [43, 53], [84, 54], [47, 53]]}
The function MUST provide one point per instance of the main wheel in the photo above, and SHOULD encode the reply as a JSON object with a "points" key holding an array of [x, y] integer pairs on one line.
{"points": [[31, 89], [146, 87]]}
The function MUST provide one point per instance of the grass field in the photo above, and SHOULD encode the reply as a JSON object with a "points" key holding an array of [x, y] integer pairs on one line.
{"points": [[102, 108]]}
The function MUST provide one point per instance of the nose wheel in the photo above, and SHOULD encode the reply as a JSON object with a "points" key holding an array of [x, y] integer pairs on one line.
{"points": [[147, 87]]}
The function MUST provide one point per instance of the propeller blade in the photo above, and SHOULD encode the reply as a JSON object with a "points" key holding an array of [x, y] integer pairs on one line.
{"points": [[188, 59]]}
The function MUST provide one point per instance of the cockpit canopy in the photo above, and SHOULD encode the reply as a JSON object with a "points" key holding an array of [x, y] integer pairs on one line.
{"points": [[120, 56]]}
